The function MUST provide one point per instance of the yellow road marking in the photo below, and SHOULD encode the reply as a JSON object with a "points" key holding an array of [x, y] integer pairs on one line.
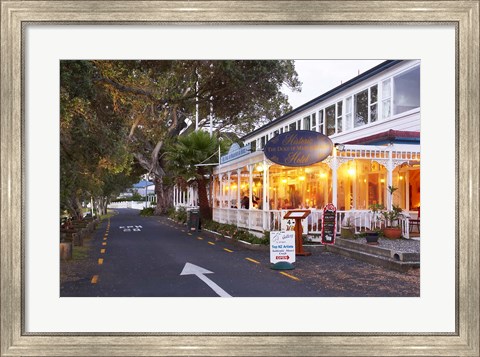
{"points": [[102, 251], [106, 234], [104, 238], [252, 260], [211, 243], [94, 279], [104, 243], [199, 238], [100, 261], [228, 250], [290, 276]]}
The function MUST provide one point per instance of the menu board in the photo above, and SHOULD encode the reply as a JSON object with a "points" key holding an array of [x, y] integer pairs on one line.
{"points": [[329, 224]]}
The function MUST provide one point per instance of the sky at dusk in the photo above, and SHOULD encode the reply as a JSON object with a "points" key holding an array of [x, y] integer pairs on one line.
{"points": [[319, 76]]}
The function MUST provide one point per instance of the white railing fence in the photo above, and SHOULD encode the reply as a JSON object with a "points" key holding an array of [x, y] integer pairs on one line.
{"points": [[271, 220], [130, 204]]}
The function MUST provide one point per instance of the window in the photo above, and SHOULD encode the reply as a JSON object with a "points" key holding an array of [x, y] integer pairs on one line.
{"points": [[366, 105], [299, 125], [276, 132], [386, 98], [339, 117], [406, 91], [348, 113], [373, 103], [321, 128], [330, 119], [292, 126], [262, 142], [314, 122], [361, 108], [306, 123]]}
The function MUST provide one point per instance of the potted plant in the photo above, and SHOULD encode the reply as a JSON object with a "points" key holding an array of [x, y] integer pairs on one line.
{"points": [[372, 236], [391, 216]]}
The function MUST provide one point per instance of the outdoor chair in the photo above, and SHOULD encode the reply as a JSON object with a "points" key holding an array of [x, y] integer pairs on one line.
{"points": [[415, 222]]}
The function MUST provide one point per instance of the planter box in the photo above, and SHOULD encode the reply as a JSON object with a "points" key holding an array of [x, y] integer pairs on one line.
{"points": [[392, 232]]}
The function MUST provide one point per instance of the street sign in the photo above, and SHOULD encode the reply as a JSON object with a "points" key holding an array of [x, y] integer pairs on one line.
{"points": [[329, 224], [282, 246]]}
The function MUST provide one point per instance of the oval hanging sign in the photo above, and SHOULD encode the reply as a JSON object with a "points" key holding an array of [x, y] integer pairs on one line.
{"points": [[298, 148]]}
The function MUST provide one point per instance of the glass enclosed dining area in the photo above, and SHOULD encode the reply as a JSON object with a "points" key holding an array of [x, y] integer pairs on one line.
{"points": [[254, 193]]}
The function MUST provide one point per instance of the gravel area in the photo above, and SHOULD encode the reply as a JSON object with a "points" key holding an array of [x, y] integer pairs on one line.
{"points": [[398, 245]]}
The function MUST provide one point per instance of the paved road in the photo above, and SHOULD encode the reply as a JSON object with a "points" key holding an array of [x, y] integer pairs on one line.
{"points": [[145, 256]]}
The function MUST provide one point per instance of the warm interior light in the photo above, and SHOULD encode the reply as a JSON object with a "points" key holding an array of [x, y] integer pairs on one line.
{"points": [[284, 180], [302, 178], [351, 171], [260, 168], [382, 180], [401, 177], [323, 175]]}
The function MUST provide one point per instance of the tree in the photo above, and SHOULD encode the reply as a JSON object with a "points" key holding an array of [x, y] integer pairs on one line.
{"points": [[189, 158], [94, 161], [158, 98]]}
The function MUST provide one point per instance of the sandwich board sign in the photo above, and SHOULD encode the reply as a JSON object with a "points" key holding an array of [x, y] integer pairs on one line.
{"points": [[282, 246], [329, 224]]}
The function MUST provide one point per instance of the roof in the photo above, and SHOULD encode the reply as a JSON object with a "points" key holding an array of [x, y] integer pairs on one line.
{"points": [[142, 184], [354, 81], [390, 136]]}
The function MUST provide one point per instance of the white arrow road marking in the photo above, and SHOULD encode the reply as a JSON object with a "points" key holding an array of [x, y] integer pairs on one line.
{"points": [[138, 227], [136, 230], [127, 230], [192, 269], [121, 227]]}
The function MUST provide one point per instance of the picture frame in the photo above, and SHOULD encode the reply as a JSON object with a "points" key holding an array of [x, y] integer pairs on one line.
{"points": [[15, 341]]}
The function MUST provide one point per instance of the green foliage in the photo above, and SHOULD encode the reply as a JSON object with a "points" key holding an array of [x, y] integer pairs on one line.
{"points": [[149, 211], [234, 232], [116, 116], [179, 215]]}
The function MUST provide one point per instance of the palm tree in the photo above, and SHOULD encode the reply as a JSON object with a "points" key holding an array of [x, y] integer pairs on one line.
{"points": [[189, 158]]}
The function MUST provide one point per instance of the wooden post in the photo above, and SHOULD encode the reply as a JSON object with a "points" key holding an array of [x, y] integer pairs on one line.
{"points": [[298, 215]]}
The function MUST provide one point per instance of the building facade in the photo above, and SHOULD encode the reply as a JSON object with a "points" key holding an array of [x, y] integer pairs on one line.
{"points": [[374, 122]]}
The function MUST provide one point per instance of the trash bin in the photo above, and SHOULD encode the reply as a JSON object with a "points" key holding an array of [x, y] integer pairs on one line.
{"points": [[193, 219]]}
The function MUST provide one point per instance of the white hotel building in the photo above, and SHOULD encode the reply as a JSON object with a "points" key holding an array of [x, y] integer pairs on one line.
{"points": [[374, 121]]}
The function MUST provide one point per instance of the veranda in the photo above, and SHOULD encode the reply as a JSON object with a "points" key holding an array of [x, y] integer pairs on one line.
{"points": [[253, 193]]}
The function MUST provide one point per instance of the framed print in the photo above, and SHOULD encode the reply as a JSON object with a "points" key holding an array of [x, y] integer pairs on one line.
{"points": [[441, 35]]}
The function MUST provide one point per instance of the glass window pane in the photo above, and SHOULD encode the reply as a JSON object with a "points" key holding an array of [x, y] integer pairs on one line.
{"points": [[339, 124], [386, 108], [330, 118], [292, 126], [348, 105], [373, 113], [406, 89], [386, 89], [373, 94], [361, 108], [306, 123], [348, 121], [314, 121], [339, 108]]}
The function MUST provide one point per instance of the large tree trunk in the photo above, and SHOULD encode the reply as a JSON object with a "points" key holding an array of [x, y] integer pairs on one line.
{"points": [[75, 208], [164, 196], [205, 209]]}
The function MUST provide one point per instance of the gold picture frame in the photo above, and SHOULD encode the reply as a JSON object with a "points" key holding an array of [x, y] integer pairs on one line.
{"points": [[463, 14]]}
